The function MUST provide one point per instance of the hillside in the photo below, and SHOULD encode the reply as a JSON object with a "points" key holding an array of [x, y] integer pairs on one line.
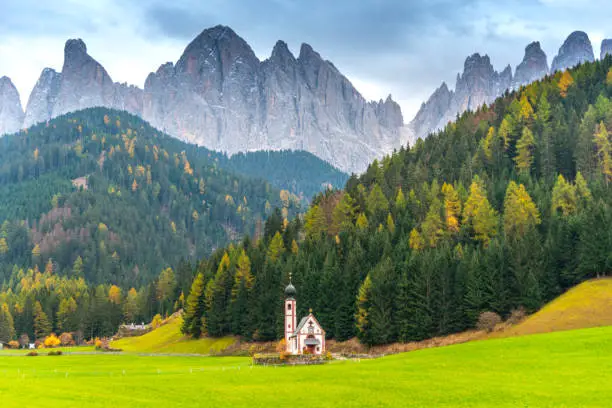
{"points": [[550, 370], [168, 339], [128, 200], [586, 305], [506, 208]]}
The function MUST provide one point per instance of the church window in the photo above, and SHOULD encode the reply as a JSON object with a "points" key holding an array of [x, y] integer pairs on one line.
{"points": [[289, 306]]}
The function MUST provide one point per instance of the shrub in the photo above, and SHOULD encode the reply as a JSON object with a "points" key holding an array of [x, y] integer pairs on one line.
{"points": [[32, 354], [487, 321], [55, 353], [328, 356], [66, 339], [281, 346], [98, 343], [13, 344], [51, 341], [517, 315], [157, 321], [24, 340]]}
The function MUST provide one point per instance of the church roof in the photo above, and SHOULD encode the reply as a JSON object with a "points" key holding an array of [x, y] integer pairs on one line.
{"points": [[303, 323]]}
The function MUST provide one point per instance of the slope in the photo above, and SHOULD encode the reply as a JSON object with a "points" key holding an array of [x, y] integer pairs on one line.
{"points": [[586, 305], [168, 339], [105, 186]]}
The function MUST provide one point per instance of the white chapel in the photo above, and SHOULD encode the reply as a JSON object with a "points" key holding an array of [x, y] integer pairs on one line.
{"points": [[307, 337]]}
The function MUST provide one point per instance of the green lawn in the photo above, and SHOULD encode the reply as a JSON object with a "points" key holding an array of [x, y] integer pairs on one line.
{"points": [[565, 369]]}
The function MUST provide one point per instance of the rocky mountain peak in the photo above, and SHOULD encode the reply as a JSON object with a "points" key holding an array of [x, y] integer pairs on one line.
{"points": [[534, 66], [606, 48], [576, 49], [11, 112], [43, 97]]}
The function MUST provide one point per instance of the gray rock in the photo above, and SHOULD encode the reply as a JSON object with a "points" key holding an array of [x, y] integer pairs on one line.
{"points": [[533, 67], [575, 50], [43, 98], [606, 48], [11, 112]]}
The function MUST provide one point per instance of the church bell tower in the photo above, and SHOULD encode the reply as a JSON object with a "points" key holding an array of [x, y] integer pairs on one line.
{"points": [[290, 317]]}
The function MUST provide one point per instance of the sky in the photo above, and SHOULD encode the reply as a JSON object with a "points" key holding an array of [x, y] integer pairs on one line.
{"points": [[401, 47]]}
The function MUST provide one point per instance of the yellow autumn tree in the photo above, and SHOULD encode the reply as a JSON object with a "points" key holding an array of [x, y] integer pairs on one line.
{"points": [[602, 144], [520, 212], [452, 207], [526, 111], [525, 148], [563, 197], [114, 295], [565, 82], [432, 228], [479, 214], [416, 241]]}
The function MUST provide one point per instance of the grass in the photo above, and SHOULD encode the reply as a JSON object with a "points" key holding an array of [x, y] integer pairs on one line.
{"points": [[563, 369], [586, 305], [76, 349], [168, 339]]}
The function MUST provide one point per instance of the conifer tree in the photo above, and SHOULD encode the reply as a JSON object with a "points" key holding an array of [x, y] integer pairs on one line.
{"points": [[7, 328], [525, 148], [520, 212], [452, 208], [432, 228], [362, 317], [194, 310], [416, 241], [315, 221], [563, 197], [478, 213], [276, 248], [604, 151], [42, 327]]}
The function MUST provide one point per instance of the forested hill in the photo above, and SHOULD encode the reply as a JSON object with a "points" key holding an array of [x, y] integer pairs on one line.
{"points": [[299, 172], [504, 209], [103, 195]]}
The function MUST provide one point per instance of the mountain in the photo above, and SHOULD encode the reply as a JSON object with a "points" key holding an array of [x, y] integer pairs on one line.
{"points": [[221, 96], [533, 66], [11, 113], [606, 48], [480, 84], [129, 200], [576, 49]]}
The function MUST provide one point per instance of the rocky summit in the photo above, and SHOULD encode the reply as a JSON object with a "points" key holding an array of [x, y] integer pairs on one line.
{"points": [[575, 50], [221, 96], [11, 112], [606, 48], [533, 67], [478, 84]]}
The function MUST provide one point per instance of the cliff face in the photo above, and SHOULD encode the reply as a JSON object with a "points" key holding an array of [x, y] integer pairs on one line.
{"points": [[534, 66], [11, 112], [575, 49], [220, 95], [479, 84]]}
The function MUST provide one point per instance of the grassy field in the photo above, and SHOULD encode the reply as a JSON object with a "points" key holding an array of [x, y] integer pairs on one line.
{"points": [[168, 339], [586, 305], [564, 369]]}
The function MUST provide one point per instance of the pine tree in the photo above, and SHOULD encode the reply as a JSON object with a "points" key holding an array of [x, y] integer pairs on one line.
{"points": [[520, 212], [276, 248], [315, 221], [362, 317], [564, 197], [192, 318], [525, 151], [362, 222], [604, 151], [3, 247], [7, 328], [343, 214], [416, 241], [432, 228], [478, 213], [42, 327], [67, 321], [77, 267], [130, 307], [452, 208], [400, 200], [376, 202], [565, 81]]}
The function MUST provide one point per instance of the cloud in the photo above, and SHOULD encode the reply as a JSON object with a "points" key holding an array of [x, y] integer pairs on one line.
{"points": [[403, 47]]}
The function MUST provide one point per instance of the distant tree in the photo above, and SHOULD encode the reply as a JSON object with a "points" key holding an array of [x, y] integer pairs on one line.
{"points": [[42, 327], [7, 328]]}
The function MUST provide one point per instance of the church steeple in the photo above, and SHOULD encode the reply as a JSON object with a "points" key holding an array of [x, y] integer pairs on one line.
{"points": [[290, 291], [290, 316]]}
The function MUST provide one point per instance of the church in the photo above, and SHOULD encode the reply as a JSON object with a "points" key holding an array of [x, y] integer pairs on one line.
{"points": [[307, 337]]}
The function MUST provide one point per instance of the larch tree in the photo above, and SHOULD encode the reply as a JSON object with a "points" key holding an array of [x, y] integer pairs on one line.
{"points": [[416, 241], [563, 197], [565, 81], [479, 214], [194, 309], [42, 326], [525, 148], [315, 221], [604, 151], [276, 248], [452, 208], [7, 328], [362, 317], [432, 228], [520, 212]]}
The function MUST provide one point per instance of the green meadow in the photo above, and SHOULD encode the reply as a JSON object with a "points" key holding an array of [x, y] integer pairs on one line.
{"points": [[564, 369]]}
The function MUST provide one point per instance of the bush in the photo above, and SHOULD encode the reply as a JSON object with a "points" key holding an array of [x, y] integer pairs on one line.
{"points": [[13, 344], [157, 321], [32, 354], [281, 346], [487, 321], [66, 339], [517, 315], [51, 341], [55, 353]]}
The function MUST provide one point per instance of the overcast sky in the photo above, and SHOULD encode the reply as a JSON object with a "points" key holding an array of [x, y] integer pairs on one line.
{"points": [[401, 47]]}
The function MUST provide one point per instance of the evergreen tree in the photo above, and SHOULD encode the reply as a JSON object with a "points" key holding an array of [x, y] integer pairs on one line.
{"points": [[42, 327], [192, 318], [7, 328]]}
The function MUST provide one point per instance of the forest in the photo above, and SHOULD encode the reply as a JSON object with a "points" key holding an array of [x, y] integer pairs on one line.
{"points": [[503, 210]]}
